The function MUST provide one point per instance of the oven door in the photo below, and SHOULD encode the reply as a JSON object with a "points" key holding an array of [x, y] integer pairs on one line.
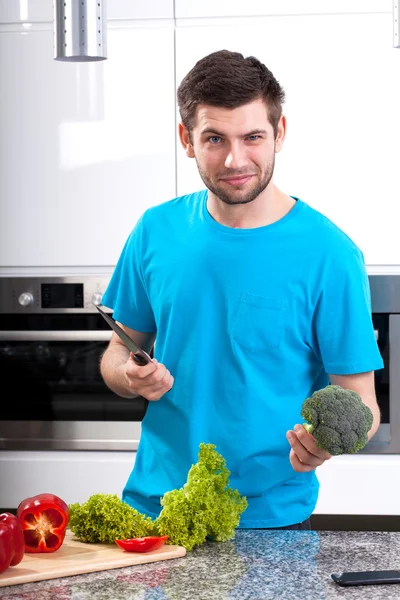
{"points": [[57, 399], [387, 384]]}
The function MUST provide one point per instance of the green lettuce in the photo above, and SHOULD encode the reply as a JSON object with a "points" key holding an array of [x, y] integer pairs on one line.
{"points": [[205, 507], [105, 518]]}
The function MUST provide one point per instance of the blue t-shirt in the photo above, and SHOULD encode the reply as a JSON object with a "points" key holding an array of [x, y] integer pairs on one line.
{"points": [[249, 322]]}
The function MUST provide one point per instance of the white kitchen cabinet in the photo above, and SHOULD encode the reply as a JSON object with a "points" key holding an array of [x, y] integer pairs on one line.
{"points": [[237, 8], [41, 11], [349, 484], [74, 476], [85, 148], [341, 77], [359, 484]]}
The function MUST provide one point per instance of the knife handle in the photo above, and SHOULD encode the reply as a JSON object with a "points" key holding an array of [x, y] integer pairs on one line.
{"points": [[140, 360]]}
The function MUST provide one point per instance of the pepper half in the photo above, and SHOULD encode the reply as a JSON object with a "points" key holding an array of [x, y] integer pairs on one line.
{"points": [[12, 545], [143, 544], [44, 519]]}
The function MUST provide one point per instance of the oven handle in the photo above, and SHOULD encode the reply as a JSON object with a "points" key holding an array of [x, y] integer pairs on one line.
{"points": [[67, 336], [56, 336]]}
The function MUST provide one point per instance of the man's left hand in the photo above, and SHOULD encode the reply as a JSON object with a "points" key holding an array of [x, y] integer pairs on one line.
{"points": [[304, 454]]}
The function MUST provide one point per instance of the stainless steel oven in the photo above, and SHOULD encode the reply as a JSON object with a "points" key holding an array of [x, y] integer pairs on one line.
{"points": [[51, 341], [385, 297]]}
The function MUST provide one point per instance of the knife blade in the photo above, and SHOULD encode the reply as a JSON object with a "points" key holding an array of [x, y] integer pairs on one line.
{"points": [[140, 356]]}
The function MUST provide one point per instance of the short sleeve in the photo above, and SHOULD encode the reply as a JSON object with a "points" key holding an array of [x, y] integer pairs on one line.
{"points": [[343, 332], [126, 292]]}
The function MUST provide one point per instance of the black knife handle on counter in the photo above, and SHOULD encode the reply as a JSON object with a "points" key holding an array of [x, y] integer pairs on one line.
{"points": [[366, 578]]}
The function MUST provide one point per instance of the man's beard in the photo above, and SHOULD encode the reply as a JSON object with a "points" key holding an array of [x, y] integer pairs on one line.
{"points": [[232, 199]]}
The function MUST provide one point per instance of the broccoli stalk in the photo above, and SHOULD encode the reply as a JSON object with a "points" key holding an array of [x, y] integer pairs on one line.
{"points": [[338, 419], [205, 506]]}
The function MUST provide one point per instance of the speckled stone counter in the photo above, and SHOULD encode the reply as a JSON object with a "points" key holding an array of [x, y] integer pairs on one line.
{"points": [[256, 565]]}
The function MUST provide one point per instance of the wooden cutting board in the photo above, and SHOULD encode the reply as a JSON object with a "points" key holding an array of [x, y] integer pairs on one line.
{"points": [[76, 558]]}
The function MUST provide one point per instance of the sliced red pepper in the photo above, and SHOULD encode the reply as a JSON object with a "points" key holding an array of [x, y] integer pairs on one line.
{"points": [[44, 519], [143, 544], [12, 544]]}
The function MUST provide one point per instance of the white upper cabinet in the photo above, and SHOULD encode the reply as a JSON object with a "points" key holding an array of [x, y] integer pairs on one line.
{"points": [[85, 148], [34, 11], [185, 9], [341, 75]]}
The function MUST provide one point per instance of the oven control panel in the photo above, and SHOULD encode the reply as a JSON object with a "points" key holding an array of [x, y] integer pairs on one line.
{"points": [[51, 294]]}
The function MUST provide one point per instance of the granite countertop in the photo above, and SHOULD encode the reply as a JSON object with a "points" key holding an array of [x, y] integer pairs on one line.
{"points": [[256, 565]]}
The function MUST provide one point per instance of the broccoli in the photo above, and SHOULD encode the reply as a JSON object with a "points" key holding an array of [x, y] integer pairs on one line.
{"points": [[339, 420]]}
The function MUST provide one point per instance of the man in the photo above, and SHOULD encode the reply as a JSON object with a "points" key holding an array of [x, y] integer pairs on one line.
{"points": [[255, 300]]}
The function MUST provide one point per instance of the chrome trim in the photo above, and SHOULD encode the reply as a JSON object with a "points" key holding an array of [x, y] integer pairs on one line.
{"points": [[56, 336], [70, 435]]}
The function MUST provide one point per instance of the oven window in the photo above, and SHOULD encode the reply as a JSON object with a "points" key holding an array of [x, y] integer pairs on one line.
{"points": [[382, 377], [60, 381]]}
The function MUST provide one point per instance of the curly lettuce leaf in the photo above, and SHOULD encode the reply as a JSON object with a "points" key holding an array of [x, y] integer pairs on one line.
{"points": [[205, 506], [105, 518]]}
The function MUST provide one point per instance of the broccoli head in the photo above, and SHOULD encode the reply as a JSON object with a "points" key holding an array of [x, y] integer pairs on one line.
{"points": [[338, 419]]}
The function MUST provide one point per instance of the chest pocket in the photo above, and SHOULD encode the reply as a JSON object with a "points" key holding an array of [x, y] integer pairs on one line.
{"points": [[259, 322]]}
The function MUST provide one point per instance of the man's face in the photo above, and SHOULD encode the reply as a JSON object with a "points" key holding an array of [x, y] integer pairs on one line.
{"points": [[234, 150]]}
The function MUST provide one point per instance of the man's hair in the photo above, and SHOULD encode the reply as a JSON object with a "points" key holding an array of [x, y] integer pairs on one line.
{"points": [[229, 80]]}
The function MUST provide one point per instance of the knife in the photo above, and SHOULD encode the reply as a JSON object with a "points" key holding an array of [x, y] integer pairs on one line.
{"points": [[140, 356]]}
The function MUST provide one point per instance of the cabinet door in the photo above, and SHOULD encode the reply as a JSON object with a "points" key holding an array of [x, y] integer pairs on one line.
{"points": [[85, 148], [34, 11], [341, 77], [187, 9]]}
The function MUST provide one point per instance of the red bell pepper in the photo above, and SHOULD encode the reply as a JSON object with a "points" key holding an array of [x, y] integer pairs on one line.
{"points": [[143, 544], [44, 519], [12, 545]]}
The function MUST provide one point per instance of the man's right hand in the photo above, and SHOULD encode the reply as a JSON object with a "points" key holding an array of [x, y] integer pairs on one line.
{"points": [[150, 381]]}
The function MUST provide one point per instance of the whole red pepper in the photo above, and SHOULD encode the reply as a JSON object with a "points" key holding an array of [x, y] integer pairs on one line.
{"points": [[12, 544], [44, 519], [143, 544]]}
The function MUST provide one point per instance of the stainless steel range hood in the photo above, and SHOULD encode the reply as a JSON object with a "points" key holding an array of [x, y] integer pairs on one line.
{"points": [[80, 30]]}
